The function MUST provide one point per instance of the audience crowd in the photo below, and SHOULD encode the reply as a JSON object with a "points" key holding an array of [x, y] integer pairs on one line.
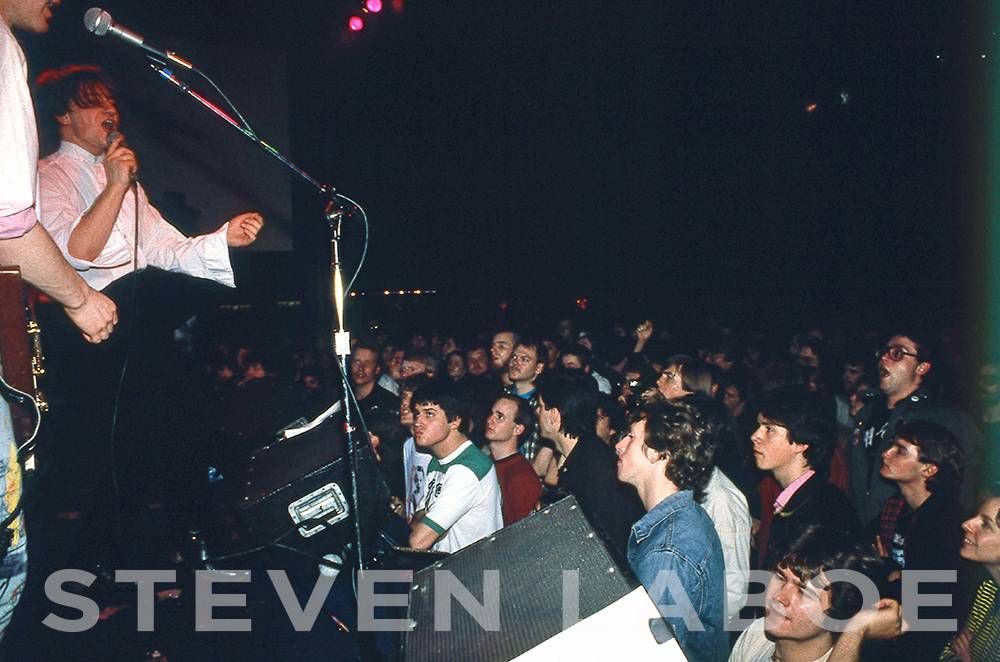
{"points": [[709, 459]]}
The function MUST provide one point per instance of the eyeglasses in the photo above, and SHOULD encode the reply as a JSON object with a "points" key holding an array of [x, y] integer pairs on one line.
{"points": [[670, 374], [895, 353]]}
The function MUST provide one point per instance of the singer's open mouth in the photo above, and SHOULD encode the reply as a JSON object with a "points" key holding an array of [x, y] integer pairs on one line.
{"points": [[108, 124]]}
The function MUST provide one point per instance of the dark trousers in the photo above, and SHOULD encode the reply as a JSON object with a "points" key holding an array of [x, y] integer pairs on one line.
{"points": [[129, 439]]}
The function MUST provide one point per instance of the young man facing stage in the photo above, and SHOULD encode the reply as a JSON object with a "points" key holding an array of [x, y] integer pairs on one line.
{"points": [[462, 501], [674, 549]]}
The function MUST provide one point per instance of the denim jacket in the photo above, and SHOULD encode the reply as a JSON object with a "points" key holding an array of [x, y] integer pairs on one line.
{"points": [[677, 536]]}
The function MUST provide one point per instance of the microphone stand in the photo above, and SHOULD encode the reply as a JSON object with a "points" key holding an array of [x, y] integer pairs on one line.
{"points": [[336, 208]]}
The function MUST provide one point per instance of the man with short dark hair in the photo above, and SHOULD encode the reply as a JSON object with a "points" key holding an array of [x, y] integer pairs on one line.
{"points": [[477, 360], [462, 503], [577, 357], [794, 440], [567, 416], [611, 419], [506, 424], [923, 528], [526, 363], [905, 364], [501, 349], [365, 366], [800, 596], [674, 549]]}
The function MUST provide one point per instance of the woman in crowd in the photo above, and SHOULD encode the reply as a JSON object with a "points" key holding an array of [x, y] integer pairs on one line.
{"points": [[979, 638]]}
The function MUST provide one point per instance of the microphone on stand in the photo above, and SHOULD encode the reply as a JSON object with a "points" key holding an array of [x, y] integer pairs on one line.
{"points": [[99, 22]]}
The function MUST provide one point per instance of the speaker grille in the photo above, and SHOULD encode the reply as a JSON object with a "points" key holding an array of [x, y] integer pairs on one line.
{"points": [[530, 556]]}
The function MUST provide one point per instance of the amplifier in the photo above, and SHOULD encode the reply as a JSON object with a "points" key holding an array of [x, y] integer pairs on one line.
{"points": [[307, 477]]}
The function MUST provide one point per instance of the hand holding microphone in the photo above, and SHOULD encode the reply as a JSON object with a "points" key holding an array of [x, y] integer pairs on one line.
{"points": [[120, 163]]}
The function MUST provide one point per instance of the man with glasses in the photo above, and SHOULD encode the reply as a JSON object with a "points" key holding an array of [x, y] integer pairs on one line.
{"points": [[904, 366], [524, 365]]}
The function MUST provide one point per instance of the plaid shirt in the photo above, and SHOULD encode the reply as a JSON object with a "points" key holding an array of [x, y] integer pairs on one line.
{"points": [[889, 518]]}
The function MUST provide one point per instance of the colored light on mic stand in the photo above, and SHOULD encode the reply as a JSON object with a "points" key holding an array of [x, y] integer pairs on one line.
{"points": [[355, 23], [374, 6]]}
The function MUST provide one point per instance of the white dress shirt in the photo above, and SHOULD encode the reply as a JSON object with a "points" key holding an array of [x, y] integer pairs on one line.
{"points": [[69, 182]]}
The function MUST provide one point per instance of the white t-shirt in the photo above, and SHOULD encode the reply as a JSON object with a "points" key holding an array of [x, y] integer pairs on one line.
{"points": [[415, 476], [18, 140], [754, 646], [462, 501]]}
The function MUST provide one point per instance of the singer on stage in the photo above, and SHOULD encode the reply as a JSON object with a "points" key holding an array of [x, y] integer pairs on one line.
{"points": [[86, 199], [94, 207]]}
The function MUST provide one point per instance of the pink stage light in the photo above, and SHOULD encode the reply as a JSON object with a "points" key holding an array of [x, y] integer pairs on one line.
{"points": [[355, 24], [374, 6]]}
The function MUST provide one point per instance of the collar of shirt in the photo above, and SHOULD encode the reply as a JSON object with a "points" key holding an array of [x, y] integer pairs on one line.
{"points": [[660, 512], [450, 457], [75, 151], [787, 493], [512, 390]]}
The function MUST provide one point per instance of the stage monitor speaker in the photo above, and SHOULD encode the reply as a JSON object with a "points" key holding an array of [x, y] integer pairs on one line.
{"points": [[307, 477], [530, 556]]}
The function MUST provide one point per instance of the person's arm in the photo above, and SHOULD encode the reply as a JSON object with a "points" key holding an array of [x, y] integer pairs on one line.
{"points": [[90, 236], [653, 567], [959, 648], [551, 478], [203, 256], [423, 536], [43, 266], [541, 461], [884, 621], [643, 333]]}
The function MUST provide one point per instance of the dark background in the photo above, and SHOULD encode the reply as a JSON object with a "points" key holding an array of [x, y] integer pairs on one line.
{"points": [[657, 154]]}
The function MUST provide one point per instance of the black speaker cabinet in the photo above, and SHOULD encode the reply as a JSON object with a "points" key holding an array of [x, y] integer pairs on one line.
{"points": [[305, 478], [530, 556]]}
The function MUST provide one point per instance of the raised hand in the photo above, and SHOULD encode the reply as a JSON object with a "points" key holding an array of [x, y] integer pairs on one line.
{"points": [[243, 229]]}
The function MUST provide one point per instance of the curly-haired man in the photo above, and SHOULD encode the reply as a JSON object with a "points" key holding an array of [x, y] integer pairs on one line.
{"points": [[674, 549]]}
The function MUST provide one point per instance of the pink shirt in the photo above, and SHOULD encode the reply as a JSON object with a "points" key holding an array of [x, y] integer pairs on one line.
{"points": [[787, 493]]}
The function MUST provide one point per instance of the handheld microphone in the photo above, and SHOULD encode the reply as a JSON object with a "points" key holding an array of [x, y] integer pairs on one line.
{"points": [[99, 22], [113, 136]]}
